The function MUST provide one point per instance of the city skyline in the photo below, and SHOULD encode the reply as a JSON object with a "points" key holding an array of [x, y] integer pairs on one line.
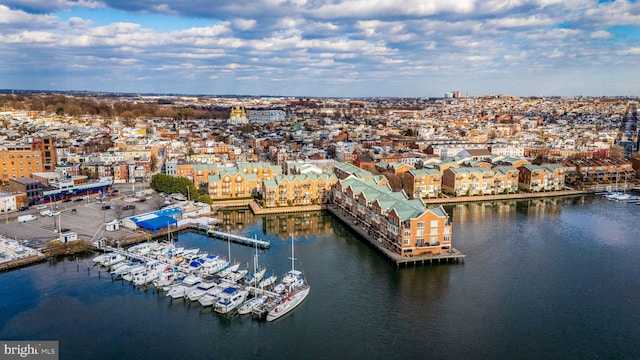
{"points": [[323, 48]]}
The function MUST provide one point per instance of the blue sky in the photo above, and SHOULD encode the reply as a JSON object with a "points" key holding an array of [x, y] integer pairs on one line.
{"points": [[343, 48]]}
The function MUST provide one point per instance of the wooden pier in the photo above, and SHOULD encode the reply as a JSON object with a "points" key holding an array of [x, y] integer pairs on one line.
{"points": [[239, 239], [21, 262]]}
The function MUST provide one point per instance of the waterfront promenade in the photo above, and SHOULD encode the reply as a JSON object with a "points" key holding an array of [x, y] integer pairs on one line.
{"points": [[518, 196]]}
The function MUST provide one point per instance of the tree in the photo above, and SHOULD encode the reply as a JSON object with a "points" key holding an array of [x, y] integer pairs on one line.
{"points": [[204, 199], [616, 151], [173, 185], [60, 111]]}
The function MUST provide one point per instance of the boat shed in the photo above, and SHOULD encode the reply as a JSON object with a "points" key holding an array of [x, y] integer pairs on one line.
{"points": [[147, 221], [158, 222]]}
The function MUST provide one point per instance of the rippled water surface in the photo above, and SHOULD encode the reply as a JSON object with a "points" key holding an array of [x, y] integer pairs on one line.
{"points": [[553, 278]]}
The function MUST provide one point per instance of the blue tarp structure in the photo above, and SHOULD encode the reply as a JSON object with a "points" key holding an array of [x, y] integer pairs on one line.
{"points": [[156, 223]]}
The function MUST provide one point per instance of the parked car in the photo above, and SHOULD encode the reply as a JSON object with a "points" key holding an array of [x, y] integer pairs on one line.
{"points": [[74, 211], [128, 207], [26, 218], [67, 200], [24, 208], [142, 200], [46, 213], [78, 200], [41, 207], [106, 207]]}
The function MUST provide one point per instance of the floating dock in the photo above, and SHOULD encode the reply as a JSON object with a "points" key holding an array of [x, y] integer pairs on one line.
{"points": [[237, 238]]}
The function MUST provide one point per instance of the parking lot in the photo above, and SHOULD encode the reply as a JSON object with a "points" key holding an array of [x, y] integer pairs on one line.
{"points": [[82, 215]]}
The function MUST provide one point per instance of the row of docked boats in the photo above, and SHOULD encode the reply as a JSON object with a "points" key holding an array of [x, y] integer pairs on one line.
{"points": [[622, 197], [210, 280]]}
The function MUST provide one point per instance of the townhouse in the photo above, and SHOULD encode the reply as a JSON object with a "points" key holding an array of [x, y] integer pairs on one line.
{"points": [[422, 183], [293, 190], [465, 181], [541, 177]]}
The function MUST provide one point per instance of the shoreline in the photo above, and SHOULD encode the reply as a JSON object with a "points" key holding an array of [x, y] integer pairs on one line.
{"points": [[456, 256]]}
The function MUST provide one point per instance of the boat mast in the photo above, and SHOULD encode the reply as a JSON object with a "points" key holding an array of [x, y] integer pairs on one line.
{"points": [[293, 258]]}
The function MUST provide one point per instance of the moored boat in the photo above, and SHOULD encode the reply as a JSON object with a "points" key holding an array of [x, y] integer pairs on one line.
{"points": [[229, 299], [295, 290]]}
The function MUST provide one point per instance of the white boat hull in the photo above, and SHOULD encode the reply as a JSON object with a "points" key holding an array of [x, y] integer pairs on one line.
{"points": [[287, 304]]}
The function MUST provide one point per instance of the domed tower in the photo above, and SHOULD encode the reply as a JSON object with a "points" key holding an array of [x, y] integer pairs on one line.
{"points": [[238, 115]]}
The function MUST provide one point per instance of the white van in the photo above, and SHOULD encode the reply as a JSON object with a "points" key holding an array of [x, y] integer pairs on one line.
{"points": [[26, 218]]}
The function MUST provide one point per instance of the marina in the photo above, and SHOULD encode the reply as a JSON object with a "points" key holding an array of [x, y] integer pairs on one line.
{"points": [[210, 280]]}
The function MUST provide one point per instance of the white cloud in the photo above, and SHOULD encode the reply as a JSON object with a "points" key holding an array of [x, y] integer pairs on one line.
{"points": [[601, 34], [244, 24], [322, 40], [10, 17], [629, 51]]}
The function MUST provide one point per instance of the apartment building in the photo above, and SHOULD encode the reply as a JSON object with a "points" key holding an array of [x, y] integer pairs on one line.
{"points": [[422, 183], [303, 189], [19, 161], [231, 183], [541, 178], [404, 226], [505, 179], [465, 181], [601, 170]]}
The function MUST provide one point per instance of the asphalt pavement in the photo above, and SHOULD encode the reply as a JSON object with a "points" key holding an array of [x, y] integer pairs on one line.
{"points": [[86, 221]]}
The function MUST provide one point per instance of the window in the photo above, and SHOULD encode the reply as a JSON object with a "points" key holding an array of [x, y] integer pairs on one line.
{"points": [[433, 241], [420, 233], [420, 224], [407, 233], [434, 231], [434, 223], [406, 241]]}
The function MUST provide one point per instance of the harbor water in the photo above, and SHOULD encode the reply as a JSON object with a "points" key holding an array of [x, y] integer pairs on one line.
{"points": [[543, 279]]}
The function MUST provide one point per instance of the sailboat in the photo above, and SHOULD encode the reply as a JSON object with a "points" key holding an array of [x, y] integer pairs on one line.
{"points": [[256, 276], [294, 288]]}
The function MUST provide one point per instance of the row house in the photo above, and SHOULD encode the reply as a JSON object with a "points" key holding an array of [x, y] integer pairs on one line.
{"points": [[464, 181], [96, 169], [292, 190], [451, 148], [505, 179], [231, 183], [541, 178], [422, 183], [600, 170], [403, 226]]}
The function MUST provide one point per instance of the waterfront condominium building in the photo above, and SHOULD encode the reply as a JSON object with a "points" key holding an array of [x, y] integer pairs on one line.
{"points": [[303, 189], [464, 181], [404, 226], [422, 183], [541, 178]]}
